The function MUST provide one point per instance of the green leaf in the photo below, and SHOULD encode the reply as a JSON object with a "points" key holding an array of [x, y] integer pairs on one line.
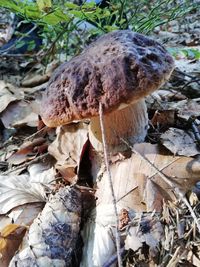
{"points": [[19, 44], [71, 5], [31, 45], [55, 17], [44, 5]]}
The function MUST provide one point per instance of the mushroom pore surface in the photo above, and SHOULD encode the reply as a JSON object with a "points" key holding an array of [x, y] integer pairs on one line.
{"points": [[118, 68]]}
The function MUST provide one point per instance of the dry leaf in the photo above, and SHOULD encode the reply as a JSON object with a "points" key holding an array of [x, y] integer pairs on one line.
{"points": [[193, 258], [138, 189], [34, 91], [35, 80], [8, 94], [67, 148], [147, 230], [23, 215], [131, 178], [189, 66], [166, 95], [180, 142], [17, 190], [10, 239], [163, 117], [18, 114], [153, 196], [27, 151], [185, 108], [53, 237]]}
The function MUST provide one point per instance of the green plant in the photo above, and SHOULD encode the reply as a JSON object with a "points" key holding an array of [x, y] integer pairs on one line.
{"points": [[60, 21], [189, 53]]}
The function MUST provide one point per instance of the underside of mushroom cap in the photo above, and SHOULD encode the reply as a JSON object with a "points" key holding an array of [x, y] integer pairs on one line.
{"points": [[119, 68]]}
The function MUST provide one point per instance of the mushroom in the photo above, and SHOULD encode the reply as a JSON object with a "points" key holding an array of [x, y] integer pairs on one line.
{"points": [[115, 72], [118, 70]]}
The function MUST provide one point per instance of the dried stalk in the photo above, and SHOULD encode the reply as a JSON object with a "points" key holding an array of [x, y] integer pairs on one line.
{"points": [[105, 150]]}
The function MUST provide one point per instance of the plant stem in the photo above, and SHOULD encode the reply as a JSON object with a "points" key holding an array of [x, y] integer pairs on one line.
{"points": [[105, 150]]}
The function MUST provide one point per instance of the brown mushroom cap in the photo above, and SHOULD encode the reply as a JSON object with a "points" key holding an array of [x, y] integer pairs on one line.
{"points": [[120, 67]]}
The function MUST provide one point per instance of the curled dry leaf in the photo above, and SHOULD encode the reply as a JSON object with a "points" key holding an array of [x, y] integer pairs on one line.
{"points": [[184, 108], [193, 258], [17, 190], [10, 239], [67, 148], [188, 66], [34, 91], [180, 142], [8, 94], [18, 114], [54, 234]]}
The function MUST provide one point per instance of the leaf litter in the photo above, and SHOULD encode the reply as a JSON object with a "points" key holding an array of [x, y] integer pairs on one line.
{"points": [[156, 226]]}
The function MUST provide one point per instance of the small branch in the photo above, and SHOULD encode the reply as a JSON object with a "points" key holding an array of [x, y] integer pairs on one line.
{"points": [[105, 150], [185, 74], [26, 164], [188, 83], [113, 259], [31, 137]]}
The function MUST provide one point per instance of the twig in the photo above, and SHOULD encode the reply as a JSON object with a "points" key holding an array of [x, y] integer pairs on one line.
{"points": [[185, 74], [177, 190], [188, 83], [26, 164], [105, 149], [18, 55], [36, 133], [113, 258], [175, 258]]}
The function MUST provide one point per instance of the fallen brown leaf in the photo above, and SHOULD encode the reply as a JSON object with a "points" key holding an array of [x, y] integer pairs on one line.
{"points": [[28, 151], [18, 114], [67, 148], [139, 187], [10, 239], [180, 142], [164, 117], [8, 94]]}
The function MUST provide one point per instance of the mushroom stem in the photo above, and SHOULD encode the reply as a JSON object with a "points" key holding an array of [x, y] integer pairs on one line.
{"points": [[129, 123]]}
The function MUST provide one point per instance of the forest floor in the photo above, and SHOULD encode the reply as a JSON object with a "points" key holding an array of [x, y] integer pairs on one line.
{"points": [[29, 172]]}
